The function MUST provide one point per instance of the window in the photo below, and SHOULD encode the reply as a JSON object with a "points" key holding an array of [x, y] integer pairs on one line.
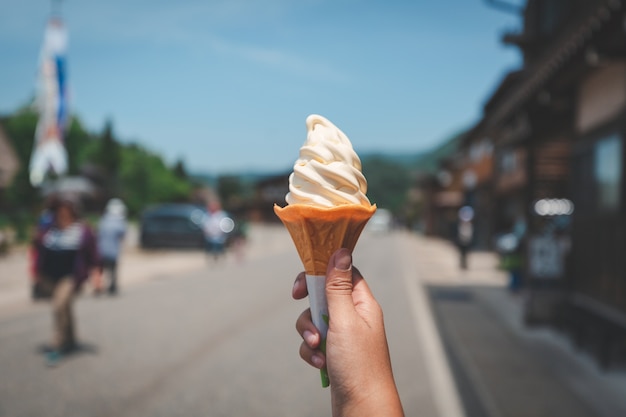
{"points": [[608, 172], [511, 161]]}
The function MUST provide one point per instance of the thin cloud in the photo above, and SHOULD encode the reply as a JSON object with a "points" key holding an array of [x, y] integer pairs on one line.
{"points": [[279, 59], [194, 26]]}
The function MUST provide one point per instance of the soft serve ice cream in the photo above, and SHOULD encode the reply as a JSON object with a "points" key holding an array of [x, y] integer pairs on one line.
{"points": [[327, 208], [328, 171]]}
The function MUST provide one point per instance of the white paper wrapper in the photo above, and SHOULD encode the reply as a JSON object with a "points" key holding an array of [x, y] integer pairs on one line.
{"points": [[316, 286]]}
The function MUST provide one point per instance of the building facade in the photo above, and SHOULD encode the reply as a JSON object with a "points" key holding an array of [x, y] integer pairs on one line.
{"points": [[548, 154]]}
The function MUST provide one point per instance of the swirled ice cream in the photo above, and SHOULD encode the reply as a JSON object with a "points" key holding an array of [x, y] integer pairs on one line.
{"points": [[328, 171], [327, 209]]}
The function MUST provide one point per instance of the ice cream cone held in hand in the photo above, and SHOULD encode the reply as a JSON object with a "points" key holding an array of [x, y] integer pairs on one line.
{"points": [[326, 205], [326, 209]]}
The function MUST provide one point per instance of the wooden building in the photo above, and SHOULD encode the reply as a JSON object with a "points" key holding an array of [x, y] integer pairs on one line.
{"points": [[557, 127], [443, 198], [477, 164]]}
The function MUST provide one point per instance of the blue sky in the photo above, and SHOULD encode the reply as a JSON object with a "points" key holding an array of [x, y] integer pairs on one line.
{"points": [[226, 85]]}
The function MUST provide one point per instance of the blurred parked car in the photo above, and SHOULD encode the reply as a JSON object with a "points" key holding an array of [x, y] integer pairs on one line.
{"points": [[172, 226]]}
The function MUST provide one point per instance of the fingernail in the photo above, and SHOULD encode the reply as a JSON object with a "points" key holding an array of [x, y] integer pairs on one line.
{"points": [[310, 338], [317, 360], [343, 261]]}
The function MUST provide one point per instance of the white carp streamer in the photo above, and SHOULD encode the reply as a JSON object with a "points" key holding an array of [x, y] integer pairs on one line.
{"points": [[49, 152], [328, 171]]}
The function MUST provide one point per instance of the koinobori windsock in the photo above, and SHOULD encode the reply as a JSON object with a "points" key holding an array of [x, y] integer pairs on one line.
{"points": [[49, 154]]}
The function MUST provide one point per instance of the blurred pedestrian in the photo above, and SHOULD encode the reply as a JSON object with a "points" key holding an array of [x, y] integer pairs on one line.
{"points": [[239, 238], [111, 231], [66, 255], [465, 233], [44, 221], [216, 226]]}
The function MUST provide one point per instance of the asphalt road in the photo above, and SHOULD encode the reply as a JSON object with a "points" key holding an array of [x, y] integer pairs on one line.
{"points": [[216, 341]]}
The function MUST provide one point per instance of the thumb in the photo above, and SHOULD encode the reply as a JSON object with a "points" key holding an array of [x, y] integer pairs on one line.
{"points": [[339, 284]]}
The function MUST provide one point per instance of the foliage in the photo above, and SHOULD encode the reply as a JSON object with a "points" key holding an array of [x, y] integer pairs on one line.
{"points": [[387, 182], [428, 162], [77, 139], [147, 180], [180, 170], [390, 178], [109, 158], [129, 171], [20, 130]]}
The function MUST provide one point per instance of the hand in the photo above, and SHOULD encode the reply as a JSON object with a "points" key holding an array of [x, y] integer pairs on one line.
{"points": [[357, 355]]}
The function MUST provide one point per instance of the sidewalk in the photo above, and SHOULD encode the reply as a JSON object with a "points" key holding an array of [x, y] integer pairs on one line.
{"points": [[501, 367]]}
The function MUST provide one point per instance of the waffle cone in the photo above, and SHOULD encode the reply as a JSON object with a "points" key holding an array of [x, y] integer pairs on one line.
{"points": [[319, 232]]}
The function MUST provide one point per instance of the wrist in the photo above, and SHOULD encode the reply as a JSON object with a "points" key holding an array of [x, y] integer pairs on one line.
{"points": [[377, 398]]}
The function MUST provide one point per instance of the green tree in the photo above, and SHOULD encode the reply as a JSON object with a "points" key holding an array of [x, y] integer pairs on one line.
{"points": [[387, 182], [76, 139], [109, 158], [136, 174], [21, 201], [20, 128], [147, 180], [179, 170]]}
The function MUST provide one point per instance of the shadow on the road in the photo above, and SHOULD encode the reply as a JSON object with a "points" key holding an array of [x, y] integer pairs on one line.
{"points": [[503, 367], [473, 403]]}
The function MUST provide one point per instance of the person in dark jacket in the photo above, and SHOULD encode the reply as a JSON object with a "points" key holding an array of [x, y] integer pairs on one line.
{"points": [[66, 255], [465, 233]]}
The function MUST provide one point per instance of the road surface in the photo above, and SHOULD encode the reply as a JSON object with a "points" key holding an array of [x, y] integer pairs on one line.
{"points": [[217, 339], [190, 337]]}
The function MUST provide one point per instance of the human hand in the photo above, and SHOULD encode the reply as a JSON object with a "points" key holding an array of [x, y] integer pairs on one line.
{"points": [[357, 355]]}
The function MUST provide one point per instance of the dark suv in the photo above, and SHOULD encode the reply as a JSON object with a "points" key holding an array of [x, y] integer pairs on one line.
{"points": [[172, 226]]}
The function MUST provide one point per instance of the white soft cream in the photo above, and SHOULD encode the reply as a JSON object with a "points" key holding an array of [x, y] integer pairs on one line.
{"points": [[328, 171]]}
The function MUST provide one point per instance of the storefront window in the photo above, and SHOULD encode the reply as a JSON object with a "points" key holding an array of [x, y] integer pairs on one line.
{"points": [[608, 172]]}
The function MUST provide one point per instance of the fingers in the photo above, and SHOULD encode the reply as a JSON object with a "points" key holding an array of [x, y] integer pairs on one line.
{"points": [[315, 358], [299, 290], [309, 351], [308, 331], [339, 284]]}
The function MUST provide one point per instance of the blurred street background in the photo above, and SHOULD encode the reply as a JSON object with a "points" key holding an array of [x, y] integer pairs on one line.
{"points": [[492, 136], [189, 336]]}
